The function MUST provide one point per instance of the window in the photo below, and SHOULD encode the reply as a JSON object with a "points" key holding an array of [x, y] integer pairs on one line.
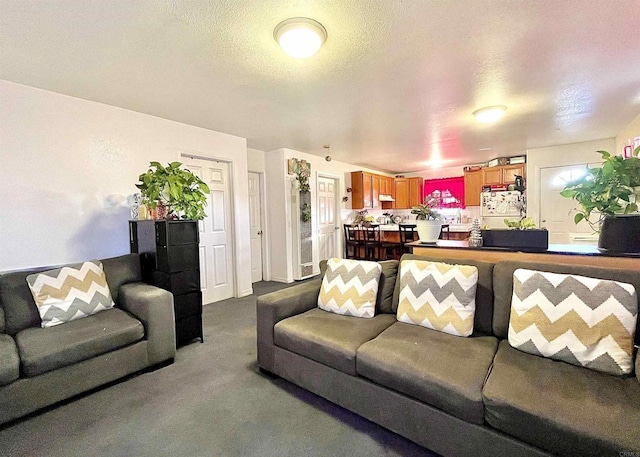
{"points": [[445, 192]]}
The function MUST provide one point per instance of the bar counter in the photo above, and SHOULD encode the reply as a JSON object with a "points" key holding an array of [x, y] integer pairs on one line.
{"points": [[558, 253]]}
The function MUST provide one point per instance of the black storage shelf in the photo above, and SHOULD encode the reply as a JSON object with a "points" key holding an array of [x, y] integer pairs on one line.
{"points": [[170, 259]]}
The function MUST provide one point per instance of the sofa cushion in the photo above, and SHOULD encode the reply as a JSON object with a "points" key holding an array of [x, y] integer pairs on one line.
{"points": [[483, 319], [329, 338], [438, 296], [9, 360], [442, 370], [46, 349], [350, 287], [580, 320], [564, 409], [71, 292]]}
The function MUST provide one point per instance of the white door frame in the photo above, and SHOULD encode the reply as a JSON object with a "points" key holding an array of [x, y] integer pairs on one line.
{"points": [[338, 213], [232, 228]]}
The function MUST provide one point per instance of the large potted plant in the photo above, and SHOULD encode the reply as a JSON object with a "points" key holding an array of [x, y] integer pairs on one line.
{"points": [[184, 193], [608, 197], [428, 222]]}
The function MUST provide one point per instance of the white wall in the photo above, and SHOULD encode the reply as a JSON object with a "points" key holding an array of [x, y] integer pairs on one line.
{"points": [[68, 166], [279, 205], [255, 160], [557, 156], [629, 133]]}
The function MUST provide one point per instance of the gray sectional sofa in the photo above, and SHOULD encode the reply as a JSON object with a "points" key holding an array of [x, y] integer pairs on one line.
{"points": [[42, 366], [474, 396]]}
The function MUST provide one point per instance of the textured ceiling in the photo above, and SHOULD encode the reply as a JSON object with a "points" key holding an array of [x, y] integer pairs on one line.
{"points": [[392, 88]]}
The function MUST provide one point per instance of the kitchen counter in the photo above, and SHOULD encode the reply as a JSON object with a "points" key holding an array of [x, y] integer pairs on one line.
{"points": [[452, 227], [559, 253]]}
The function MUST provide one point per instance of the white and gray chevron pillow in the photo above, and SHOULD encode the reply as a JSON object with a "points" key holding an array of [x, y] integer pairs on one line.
{"points": [[350, 287], [438, 296], [70, 293], [584, 321]]}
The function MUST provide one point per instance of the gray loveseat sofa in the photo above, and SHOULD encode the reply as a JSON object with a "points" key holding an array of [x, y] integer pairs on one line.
{"points": [[42, 366], [474, 396]]}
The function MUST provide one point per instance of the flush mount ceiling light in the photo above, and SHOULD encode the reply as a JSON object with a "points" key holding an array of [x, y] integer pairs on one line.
{"points": [[490, 113], [300, 37]]}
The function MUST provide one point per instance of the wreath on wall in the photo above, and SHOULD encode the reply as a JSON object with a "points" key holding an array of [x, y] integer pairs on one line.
{"points": [[302, 170]]}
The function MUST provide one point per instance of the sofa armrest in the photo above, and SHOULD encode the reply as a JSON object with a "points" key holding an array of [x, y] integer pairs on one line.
{"points": [[276, 306], [1, 320], [638, 365], [154, 308]]}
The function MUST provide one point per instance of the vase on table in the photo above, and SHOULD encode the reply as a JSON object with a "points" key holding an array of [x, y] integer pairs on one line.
{"points": [[428, 231]]}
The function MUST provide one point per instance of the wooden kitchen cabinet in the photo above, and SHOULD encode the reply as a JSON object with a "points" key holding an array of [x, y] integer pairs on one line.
{"points": [[416, 185], [503, 174], [472, 187], [365, 190], [509, 172], [491, 176], [408, 192]]}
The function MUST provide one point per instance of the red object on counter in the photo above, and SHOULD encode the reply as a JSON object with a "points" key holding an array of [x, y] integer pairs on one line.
{"points": [[498, 187]]}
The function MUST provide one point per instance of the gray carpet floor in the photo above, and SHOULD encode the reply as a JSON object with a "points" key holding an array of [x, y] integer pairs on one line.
{"points": [[213, 401]]}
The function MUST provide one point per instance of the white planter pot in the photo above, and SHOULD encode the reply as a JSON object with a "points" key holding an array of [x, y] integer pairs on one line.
{"points": [[429, 231]]}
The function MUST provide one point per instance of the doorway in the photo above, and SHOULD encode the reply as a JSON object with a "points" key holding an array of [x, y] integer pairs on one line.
{"points": [[255, 225], [556, 213], [327, 217], [216, 235]]}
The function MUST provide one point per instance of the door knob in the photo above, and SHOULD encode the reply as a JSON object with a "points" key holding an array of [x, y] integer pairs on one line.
{"points": [[544, 220], [260, 232]]}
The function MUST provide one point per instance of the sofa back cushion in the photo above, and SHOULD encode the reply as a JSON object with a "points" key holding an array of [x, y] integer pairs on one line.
{"points": [[580, 320], [503, 286], [20, 309], [350, 287], [386, 285], [482, 321], [437, 295]]}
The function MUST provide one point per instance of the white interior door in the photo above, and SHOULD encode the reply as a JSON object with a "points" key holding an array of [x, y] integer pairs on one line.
{"points": [[327, 227], [216, 237], [555, 210], [255, 226]]}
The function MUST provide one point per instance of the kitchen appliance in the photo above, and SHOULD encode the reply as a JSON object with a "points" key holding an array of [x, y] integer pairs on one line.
{"points": [[498, 206]]}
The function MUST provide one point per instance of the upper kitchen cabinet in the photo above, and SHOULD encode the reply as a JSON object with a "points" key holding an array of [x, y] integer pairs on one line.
{"points": [[365, 188], [502, 174], [509, 172], [472, 187], [408, 192]]}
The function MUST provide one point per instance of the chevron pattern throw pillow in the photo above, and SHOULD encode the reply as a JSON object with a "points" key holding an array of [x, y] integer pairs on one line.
{"points": [[350, 287], [438, 296], [584, 321], [71, 292]]}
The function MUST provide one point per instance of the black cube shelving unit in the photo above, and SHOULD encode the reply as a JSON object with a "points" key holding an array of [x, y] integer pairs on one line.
{"points": [[170, 259]]}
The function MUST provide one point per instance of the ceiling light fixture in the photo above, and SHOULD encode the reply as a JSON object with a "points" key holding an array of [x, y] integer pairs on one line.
{"points": [[490, 113], [300, 37]]}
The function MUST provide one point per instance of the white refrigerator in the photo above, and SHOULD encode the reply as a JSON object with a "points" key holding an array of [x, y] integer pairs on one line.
{"points": [[495, 207]]}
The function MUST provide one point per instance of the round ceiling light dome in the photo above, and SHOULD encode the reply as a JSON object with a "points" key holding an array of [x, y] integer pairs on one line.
{"points": [[490, 113], [300, 37]]}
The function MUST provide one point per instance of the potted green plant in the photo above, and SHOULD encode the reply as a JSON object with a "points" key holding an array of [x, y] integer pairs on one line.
{"points": [[177, 188], [608, 197], [520, 233], [428, 223]]}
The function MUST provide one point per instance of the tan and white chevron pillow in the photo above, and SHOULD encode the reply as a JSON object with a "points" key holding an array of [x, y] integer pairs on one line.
{"points": [[350, 287], [438, 296], [71, 292], [584, 321]]}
